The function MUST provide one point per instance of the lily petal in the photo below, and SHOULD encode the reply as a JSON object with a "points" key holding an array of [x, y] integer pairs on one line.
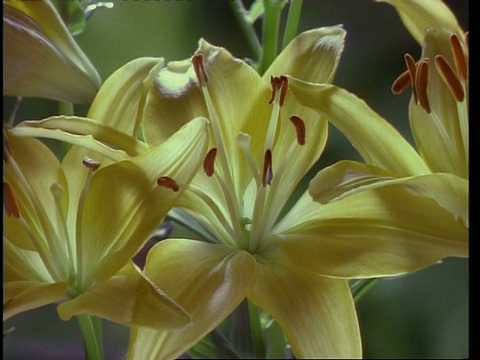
{"points": [[120, 101], [378, 142], [21, 296], [384, 231], [317, 314], [209, 286], [129, 299], [36, 34], [343, 177], [131, 188], [419, 15], [85, 132], [312, 56]]}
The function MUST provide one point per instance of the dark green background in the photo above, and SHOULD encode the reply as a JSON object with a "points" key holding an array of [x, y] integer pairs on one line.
{"points": [[421, 315]]}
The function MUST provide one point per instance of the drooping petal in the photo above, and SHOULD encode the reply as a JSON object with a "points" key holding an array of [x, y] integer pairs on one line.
{"points": [[21, 296], [373, 137], [343, 177], [387, 230], [120, 101], [419, 15], [137, 200], [41, 54], [210, 284], [85, 132], [127, 298], [312, 56], [317, 314]]}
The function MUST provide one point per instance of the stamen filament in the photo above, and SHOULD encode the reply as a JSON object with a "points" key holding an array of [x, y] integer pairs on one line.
{"points": [[244, 141], [225, 232], [52, 250], [57, 191]]}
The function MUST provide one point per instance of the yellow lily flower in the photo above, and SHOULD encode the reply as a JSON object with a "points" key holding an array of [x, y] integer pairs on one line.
{"points": [[294, 264], [72, 227], [438, 114], [264, 142], [41, 57]]}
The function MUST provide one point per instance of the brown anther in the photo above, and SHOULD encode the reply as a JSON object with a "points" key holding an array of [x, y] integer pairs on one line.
{"points": [[90, 163], [459, 56], [279, 83], [168, 182], [11, 205], [401, 83], [198, 66], [449, 78], [209, 162], [412, 70], [421, 84], [300, 129], [267, 173]]}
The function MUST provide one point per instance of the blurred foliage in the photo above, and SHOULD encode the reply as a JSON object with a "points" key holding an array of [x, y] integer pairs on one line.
{"points": [[421, 315]]}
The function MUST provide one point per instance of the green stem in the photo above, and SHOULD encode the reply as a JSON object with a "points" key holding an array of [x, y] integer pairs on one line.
{"points": [[361, 287], [247, 27], [293, 19], [271, 24], [65, 108], [256, 331], [92, 336]]}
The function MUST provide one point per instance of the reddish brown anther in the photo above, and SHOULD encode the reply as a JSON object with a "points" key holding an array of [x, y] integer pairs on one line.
{"points": [[209, 162], [401, 83], [198, 66], [449, 77], [90, 163], [300, 129], [421, 84], [279, 83], [459, 56], [168, 182], [11, 205], [267, 173], [412, 70]]}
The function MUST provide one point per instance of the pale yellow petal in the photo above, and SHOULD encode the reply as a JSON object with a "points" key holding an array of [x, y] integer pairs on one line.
{"points": [[419, 15], [21, 296], [137, 202], [388, 230], [317, 314], [209, 285], [40, 54], [377, 141], [120, 101], [312, 56], [128, 299]]}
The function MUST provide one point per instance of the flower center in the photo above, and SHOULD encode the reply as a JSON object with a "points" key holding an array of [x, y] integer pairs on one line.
{"points": [[249, 216]]}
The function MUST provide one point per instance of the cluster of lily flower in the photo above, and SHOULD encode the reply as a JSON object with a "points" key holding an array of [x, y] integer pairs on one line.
{"points": [[212, 143]]}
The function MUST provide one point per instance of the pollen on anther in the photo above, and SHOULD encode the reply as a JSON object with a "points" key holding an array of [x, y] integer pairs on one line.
{"points": [[299, 128], [401, 83], [461, 63], [421, 84], [209, 162], [90, 163], [11, 205], [267, 173], [198, 66], [279, 83], [168, 182], [412, 70], [450, 78]]}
